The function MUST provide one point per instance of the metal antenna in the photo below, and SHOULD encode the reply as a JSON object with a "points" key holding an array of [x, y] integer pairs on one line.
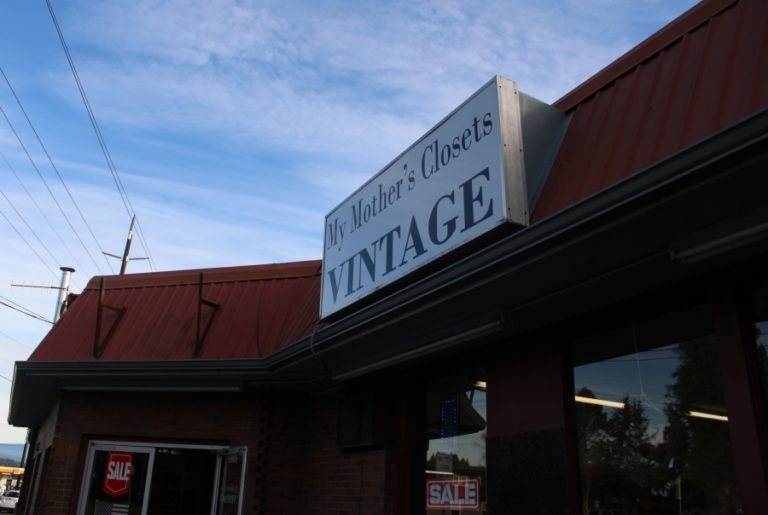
{"points": [[126, 253], [61, 301]]}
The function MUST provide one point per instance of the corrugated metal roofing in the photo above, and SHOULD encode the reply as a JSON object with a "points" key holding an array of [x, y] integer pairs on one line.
{"points": [[705, 71], [262, 309]]}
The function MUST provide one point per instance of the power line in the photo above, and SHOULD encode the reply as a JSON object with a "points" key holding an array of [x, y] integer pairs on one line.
{"points": [[144, 245], [50, 160], [10, 203], [19, 306], [102, 142], [127, 252], [28, 244], [15, 340], [40, 210], [21, 309], [55, 201], [28, 227]]}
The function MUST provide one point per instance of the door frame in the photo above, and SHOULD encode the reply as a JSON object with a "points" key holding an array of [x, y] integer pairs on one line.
{"points": [[150, 448]]}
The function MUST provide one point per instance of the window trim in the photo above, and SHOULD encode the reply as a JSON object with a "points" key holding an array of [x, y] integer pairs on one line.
{"points": [[150, 448]]}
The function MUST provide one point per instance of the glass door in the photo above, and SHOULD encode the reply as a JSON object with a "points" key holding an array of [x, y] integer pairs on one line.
{"points": [[117, 480], [162, 479], [183, 481], [231, 481]]}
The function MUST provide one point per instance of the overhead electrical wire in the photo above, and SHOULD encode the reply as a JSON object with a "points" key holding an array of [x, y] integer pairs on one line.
{"points": [[28, 244], [21, 309], [55, 169], [34, 233], [102, 142], [42, 213], [50, 191], [6, 335], [10, 203]]}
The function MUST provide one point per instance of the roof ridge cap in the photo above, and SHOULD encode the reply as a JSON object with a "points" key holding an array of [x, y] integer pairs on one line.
{"points": [[269, 271], [686, 23]]}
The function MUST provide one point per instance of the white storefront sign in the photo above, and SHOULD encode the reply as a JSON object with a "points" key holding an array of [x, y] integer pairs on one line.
{"points": [[460, 180]]}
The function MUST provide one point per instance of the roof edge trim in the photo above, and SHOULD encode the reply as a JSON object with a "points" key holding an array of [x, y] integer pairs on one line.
{"points": [[687, 162], [266, 272], [676, 29]]}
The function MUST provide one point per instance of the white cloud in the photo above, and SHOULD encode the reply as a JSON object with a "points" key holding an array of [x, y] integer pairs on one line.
{"points": [[326, 79], [236, 125]]}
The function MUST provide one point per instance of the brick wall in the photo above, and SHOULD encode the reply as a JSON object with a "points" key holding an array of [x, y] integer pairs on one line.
{"points": [[221, 418], [294, 463], [307, 471]]}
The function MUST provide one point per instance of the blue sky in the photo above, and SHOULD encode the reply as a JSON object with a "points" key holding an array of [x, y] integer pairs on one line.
{"points": [[235, 126]]}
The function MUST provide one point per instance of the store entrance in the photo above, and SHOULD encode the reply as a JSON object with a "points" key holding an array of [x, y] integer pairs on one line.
{"points": [[147, 479]]}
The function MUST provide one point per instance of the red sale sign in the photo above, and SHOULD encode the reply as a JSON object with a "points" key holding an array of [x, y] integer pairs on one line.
{"points": [[453, 494], [117, 474]]}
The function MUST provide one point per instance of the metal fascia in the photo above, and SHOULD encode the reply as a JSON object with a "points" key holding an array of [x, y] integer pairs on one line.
{"points": [[625, 198]]}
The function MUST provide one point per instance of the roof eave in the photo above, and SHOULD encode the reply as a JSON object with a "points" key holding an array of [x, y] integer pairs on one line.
{"points": [[355, 343], [37, 384], [604, 215]]}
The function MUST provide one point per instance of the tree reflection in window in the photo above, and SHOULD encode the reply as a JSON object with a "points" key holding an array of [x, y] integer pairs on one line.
{"points": [[760, 336], [761, 339], [644, 446]]}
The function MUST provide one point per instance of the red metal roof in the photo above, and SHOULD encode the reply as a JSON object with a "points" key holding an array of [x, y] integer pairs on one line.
{"points": [[262, 309], [703, 72]]}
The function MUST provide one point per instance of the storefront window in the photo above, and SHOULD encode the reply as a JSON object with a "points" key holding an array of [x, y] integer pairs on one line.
{"points": [[456, 430], [761, 340], [761, 337], [118, 481], [652, 425], [142, 479]]}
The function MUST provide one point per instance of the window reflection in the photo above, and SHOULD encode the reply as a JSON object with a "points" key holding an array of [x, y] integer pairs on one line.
{"points": [[761, 340], [456, 430], [761, 337], [652, 427]]}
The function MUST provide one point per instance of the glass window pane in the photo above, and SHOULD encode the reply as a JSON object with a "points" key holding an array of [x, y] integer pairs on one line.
{"points": [[117, 483], [761, 338], [652, 426], [230, 480], [456, 429], [182, 482]]}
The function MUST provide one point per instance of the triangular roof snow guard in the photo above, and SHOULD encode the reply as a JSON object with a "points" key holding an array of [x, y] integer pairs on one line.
{"points": [[245, 312], [699, 86]]}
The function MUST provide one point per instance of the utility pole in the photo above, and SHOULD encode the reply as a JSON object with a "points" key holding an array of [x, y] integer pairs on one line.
{"points": [[126, 253]]}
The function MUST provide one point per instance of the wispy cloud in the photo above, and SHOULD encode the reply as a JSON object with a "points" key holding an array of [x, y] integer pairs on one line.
{"points": [[236, 125], [292, 72], [326, 79]]}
